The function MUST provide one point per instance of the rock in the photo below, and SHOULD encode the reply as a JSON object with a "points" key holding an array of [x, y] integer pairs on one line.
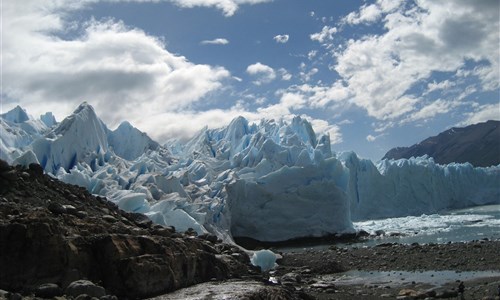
{"points": [[407, 292], [141, 220], [81, 287], [9, 175], [130, 258], [84, 297], [36, 169], [48, 290], [446, 294], [4, 166], [109, 218], [56, 208], [81, 214], [291, 277], [70, 209], [209, 237]]}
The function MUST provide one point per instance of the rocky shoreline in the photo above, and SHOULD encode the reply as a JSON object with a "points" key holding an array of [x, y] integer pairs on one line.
{"points": [[312, 267], [60, 242]]}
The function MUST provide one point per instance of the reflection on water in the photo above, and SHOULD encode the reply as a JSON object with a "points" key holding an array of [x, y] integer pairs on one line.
{"points": [[394, 278]]}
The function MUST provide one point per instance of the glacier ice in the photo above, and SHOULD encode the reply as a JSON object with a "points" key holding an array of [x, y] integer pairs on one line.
{"points": [[272, 181], [265, 259]]}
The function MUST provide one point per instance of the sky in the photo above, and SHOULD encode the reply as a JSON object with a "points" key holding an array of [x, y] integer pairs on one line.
{"points": [[372, 74]]}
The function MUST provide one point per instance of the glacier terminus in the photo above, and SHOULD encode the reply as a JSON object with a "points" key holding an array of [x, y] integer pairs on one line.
{"points": [[272, 181]]}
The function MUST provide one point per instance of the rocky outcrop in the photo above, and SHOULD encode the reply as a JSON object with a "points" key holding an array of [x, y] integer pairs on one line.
{"points": [[53, 234]]}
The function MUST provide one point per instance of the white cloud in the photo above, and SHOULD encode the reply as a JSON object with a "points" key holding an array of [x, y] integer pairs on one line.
{"points": [[118, 69], [312, 54], [443, 85], [324, 96], [281, 38], [482, 113], [433, 109], [228, 7], [371, 138], [325, 35], [323, 127], [420, 39], [218, 41], [285, 75], [264, 73], [367, 14], [307, 76]]}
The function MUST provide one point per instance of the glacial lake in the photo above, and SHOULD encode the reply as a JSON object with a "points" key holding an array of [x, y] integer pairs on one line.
{"points": [[461, 225]]}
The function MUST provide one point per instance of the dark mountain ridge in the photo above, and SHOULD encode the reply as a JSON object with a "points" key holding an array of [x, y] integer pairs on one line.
{"points": [[478, 144]]}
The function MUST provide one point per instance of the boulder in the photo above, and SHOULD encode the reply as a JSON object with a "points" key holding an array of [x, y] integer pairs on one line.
{"points": [[84, 287]]}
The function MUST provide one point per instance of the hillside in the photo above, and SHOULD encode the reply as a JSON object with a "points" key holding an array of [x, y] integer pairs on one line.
{"points": [[477, 144], [54, 235]]}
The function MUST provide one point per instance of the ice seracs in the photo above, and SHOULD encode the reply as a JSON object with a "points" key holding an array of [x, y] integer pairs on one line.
{"points": [[78, 138], [129, 143], [271, 181], [414, 186]]}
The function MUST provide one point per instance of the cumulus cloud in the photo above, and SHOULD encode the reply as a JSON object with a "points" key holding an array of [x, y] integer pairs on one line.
{"points": [[228, 7], [285, 75], [281, 38], [443, 85], [263, 73], [420, 39], [218, 41], [371, 138], [482, 113], [118, 69], [325, 35], [371, 13]]}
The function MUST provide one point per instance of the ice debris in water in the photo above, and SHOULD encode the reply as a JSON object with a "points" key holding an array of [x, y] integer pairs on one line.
{"points": [[265, 259]]}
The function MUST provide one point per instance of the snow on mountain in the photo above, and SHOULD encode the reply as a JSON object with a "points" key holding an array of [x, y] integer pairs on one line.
{"points": [[271, 181], [478, 144]]}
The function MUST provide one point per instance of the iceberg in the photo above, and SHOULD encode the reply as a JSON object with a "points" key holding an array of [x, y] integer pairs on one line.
{"points": [[272, 181], [265, 259]]}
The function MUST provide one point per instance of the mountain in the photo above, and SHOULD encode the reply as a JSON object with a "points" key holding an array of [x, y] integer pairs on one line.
{"points": [[477, 144], [272, 180]]}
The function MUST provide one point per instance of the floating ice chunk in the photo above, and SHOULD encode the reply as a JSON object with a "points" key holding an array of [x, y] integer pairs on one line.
{"points": [[265, 259]]}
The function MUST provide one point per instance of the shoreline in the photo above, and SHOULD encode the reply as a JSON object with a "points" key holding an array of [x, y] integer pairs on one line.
{"points": [[320, 274], [320, 269]]}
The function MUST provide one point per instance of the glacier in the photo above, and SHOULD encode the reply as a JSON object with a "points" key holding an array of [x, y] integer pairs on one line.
{"points": [[271, 181]]}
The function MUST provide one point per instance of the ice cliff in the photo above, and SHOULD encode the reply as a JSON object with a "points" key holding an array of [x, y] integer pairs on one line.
{"points": [[270, 181]]}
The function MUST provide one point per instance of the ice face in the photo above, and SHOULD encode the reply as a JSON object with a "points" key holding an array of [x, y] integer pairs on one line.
{"points": [[271, 181], [405, 187], [16, 115], [265, 259], [130, 143]]}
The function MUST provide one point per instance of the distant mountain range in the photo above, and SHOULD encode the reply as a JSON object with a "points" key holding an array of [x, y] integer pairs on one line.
{"points": [[478, 144]]}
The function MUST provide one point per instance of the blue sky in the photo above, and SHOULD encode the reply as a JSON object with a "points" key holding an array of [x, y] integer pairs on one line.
{"points": [[374, 74]]}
